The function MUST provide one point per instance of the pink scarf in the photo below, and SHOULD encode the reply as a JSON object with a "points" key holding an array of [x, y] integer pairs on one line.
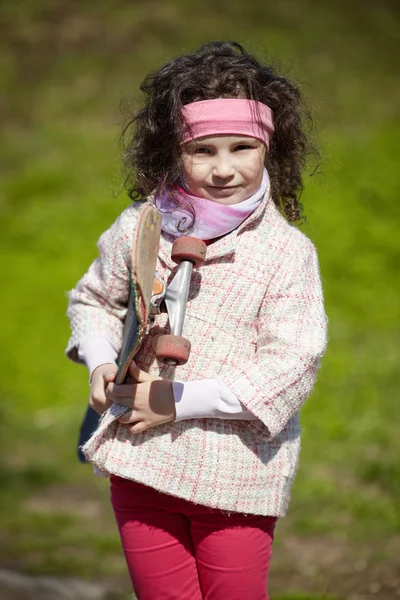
{"points": [[212, 219]]}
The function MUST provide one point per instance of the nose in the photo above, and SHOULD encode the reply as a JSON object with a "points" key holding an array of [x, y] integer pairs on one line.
{"points": [[223, 167]]}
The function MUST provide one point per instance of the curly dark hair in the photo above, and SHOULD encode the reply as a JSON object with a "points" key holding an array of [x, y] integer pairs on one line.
{"points": [[152, 136]]}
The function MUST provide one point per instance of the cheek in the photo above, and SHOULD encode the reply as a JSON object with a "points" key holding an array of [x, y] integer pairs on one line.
{"points": [[254, 171], [193, 173], [187, 168], [259, 165]]}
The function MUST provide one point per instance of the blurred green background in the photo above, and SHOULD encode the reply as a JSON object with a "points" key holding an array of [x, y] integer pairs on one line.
{"points": [[64, 68]]}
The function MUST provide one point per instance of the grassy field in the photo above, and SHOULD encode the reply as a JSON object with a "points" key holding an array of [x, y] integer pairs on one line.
{"points": [[65, 66]]}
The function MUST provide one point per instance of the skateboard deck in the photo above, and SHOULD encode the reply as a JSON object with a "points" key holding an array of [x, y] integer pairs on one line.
{"points": [[142, 269]]}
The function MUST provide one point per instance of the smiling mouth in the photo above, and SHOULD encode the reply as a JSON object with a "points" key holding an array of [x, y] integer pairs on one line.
{"points": [[223, 187]]}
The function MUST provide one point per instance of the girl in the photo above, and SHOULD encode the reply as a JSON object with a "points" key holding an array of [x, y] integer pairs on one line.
{"points": [[202, 463]]}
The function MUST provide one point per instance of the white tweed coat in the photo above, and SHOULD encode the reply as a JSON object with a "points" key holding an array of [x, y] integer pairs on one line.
{"points": [[255, 318]]}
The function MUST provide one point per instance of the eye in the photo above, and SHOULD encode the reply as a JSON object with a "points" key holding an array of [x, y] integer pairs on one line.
{"points": [[196, 150], [243, 147], [201, 150]]}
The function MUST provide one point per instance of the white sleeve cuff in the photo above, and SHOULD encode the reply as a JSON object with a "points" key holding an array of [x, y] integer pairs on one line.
{"points": [[96, 350], [208, 398]]}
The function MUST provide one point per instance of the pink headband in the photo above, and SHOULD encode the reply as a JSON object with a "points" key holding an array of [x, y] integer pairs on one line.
{"points": [[228, 116]]}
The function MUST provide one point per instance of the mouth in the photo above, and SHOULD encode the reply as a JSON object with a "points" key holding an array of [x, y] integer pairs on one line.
{"points": [[223, 189]]}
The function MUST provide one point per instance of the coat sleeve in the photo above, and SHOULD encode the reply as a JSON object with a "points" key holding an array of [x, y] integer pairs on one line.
{"points": [[98, 304], [291, 339]]}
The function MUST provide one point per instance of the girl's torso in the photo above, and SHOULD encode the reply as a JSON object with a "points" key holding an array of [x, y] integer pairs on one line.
{"points": [[231, 465]]}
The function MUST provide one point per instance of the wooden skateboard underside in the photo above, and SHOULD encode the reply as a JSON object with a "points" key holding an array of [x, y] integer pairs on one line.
{"points": [[143, 266]]}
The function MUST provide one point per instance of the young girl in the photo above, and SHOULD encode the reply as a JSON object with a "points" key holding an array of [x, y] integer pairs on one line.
{"points": [[202, 463]]}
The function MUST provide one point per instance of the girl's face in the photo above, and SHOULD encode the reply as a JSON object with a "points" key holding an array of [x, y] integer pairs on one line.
{"points": [[224, 168]]}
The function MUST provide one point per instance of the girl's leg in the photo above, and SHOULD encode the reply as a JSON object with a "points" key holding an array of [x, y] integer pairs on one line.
{"points": [[156, 541], [233, 554]]}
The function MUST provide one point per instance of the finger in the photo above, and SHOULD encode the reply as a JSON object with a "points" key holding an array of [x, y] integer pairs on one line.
{"points": [[98, 405], [139, 427], [129, 402], [109, 376], [128, 417], [124, 400], [139, 375], [98, 395], [122, 390], [97, 392]]}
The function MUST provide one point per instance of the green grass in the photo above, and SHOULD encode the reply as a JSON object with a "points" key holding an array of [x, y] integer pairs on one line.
{"points": [[65, 67]]}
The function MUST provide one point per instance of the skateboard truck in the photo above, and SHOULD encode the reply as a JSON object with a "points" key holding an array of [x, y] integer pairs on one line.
{"points": [[157, 295], [187, 252]]}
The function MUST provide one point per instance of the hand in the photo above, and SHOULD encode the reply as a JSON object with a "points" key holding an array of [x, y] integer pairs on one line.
{"points": [[101, 377], [151, 400]]}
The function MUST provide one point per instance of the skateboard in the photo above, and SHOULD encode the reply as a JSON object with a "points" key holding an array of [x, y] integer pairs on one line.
{"points": [[149, 295]]}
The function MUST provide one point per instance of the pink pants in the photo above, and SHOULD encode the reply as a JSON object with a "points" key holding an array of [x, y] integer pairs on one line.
{"points": [[177, 549]]}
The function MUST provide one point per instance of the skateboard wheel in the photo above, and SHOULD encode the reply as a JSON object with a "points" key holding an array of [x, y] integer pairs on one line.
{"points": [[189, 248], [172, 349]]}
